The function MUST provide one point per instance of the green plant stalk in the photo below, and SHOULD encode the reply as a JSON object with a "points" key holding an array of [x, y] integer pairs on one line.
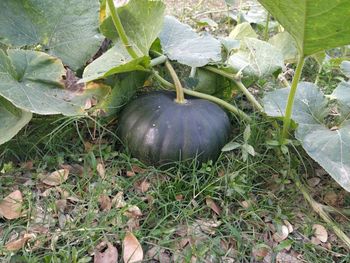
{"points": [[216, 100], [291, 96], [240, 85], [266, 30], [180, 97], [323, 214], [158, 60], [119, 27]]}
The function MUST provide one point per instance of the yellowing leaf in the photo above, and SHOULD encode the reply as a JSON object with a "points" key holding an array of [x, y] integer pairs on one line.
{"points": [[101, 170], [11, 205], [132, 250], [56, 178]]}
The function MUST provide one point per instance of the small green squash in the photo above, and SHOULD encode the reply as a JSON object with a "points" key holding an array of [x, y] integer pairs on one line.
{"points": [[158, 130]]}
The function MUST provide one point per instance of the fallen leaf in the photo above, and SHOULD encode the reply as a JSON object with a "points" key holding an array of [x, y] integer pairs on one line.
{"points": [[132, 250], [315, 241], [56, 178], [106, 253], [281, 235], [142, 186], [260, 251], [179, 197], [320, 232], [283, 257], [61, 205], [19, 243], [289, 226], [118, 200], [105, 203], [331, 198], [159, 254], [133, 212], [27, 165], [314, 181], [137, 169], [11, 205], [213, 206], [101, 170], [130, 173]]}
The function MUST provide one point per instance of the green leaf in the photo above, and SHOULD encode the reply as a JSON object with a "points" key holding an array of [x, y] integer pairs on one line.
{"points": [[124, 89], [12, 120], [142, 21], [345, 68], [256, 58], [66, 29], [247, 133], [243, 30], [32, 81], [115, 60], [181, 43], [315, 25], [328, 147], [286, 44], [231, 146]]}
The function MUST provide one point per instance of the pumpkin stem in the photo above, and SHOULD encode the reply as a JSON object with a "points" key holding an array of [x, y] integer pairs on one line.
{"points": [[180, 97]]}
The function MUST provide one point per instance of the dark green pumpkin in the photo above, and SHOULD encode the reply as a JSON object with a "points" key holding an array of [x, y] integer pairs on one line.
{"points": [[158, 130]]}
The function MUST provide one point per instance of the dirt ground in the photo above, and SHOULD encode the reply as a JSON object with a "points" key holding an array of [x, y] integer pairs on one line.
{"points": [[178, 7]]}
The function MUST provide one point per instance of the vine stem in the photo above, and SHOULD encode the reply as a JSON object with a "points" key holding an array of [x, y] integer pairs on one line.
{"points": [[240, 85], [193, 93], [291, 96], [180, 97], [119, 27], [319, 209]]}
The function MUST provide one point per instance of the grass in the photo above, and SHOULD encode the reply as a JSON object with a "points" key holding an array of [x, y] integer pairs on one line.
{"points": [[254, 198]]}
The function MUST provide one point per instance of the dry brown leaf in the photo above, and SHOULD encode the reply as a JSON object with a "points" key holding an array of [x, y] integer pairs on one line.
{"points": [[283, 257], [213, 206], [101, 170], [159, 254], [19, 243], [133, 212], [315, 241], [142, 186], [106, 255], [130, 173], [289, 225], [132, 250], [320, 232], [331, 198], [61, 205], [11, 205], [179, 197], [314, 181], [260, 251], [281, 235], [118, 200], [137, 169], [27, 165], [105, 203], [56, 178]]}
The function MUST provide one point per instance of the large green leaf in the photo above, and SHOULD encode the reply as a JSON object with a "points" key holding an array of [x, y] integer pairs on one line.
{"points": [[329, 147], [123, 90], [286, 44], [67, 29], [12, 120], [256, 58], [316, 25], [142, 21], [115, 60], [32, 81], [181, 43]]}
